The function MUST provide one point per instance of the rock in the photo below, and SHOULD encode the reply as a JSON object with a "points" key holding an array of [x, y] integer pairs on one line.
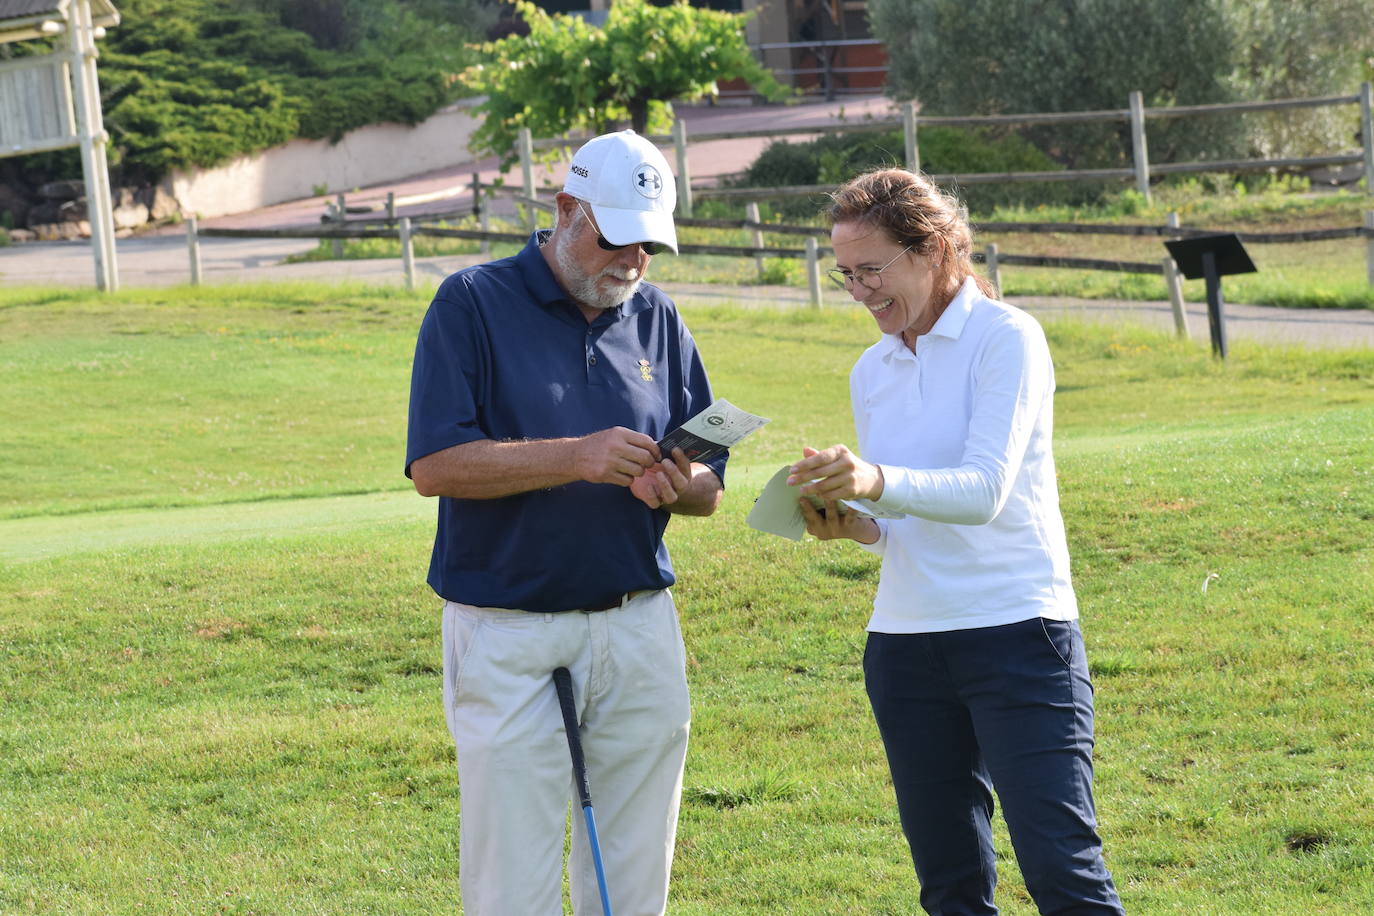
{"points": [[161, 204], [23, 235], [131, 216], [1336, 175], [59, 232], [48, 232], [72, 210], [44, 213], [62, 190], [14, 202]]}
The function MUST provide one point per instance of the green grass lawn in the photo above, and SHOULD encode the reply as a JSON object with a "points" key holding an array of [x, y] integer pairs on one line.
{"points": [[219, 664]]}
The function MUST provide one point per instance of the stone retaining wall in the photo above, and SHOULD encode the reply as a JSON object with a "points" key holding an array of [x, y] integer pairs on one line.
{"points": [[366, 156]]}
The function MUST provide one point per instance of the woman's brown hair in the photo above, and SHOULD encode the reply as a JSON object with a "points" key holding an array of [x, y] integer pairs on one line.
{"points": [[913, 211]]}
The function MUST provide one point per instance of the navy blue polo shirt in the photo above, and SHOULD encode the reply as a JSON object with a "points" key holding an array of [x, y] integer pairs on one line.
{"points": [[504, 354]]}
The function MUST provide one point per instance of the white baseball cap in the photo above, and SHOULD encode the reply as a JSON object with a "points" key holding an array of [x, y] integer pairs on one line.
{"points": [[630, 187]]}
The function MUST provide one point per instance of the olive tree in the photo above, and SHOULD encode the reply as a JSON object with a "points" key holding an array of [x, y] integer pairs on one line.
{"points": [[1294, 50], [992, 57], [568, 75]]}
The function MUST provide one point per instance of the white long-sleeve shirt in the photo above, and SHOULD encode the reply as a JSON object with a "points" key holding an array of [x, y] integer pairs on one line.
{"points": [[961, 430]]}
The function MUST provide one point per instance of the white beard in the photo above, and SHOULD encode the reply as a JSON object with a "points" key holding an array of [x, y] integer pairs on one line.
{"points": [[588, 289]]}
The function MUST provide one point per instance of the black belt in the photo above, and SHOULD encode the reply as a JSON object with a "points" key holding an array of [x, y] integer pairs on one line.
{"points": [[619, 601]]}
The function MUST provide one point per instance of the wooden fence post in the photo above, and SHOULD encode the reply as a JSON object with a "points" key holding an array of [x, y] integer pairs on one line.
{"points": [[751, 210], [813, 270], [193, 248], [994, 271], [1369, 244], [340, 214], [913, 152], [684, 176], [483, 212], [1173, 280], [1138, 153], [1367, 134], [407, 254], [527, 173]]}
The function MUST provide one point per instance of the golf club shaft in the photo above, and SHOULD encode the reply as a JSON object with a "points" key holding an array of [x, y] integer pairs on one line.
{"points": [[562, 682]]}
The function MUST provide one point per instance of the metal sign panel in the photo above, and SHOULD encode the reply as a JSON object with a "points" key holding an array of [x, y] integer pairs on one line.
{"points": [[35, 106]]}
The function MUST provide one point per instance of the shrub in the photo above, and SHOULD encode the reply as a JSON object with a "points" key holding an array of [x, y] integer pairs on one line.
{"points": [[188, 83], [835, 158]]}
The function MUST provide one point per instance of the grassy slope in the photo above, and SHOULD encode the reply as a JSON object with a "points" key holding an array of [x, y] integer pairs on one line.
{"points": [[252, 724]]}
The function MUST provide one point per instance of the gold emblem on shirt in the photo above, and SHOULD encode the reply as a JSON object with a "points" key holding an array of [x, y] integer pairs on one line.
{"points": [[644, 372]]}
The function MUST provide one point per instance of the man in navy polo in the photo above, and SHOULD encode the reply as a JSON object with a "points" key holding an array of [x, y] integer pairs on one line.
{"points": [[541, 384]]}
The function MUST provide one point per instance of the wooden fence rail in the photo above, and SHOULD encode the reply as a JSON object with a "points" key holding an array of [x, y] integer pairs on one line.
{"points": [[1135, 114], [1060, 117], [995, 260], [1002, 227]]}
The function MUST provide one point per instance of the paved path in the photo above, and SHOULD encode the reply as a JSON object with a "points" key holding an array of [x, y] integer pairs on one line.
{"points": [[1327, 328], [161, 259]]}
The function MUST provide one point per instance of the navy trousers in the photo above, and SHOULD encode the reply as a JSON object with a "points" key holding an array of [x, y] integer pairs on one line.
{"points": [[1010, 709]]}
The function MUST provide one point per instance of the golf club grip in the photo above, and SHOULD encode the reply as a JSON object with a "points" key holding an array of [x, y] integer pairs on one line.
{"points": [[562, 682]]}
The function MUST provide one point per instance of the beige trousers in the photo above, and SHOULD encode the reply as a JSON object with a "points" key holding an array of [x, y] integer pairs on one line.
{"points": [[515, 774]]}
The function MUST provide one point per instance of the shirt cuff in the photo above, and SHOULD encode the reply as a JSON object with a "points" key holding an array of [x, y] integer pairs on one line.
{"points": [[879, 546], [896, 489]]}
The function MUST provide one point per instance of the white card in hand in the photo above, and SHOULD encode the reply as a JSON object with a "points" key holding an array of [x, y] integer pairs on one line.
{"points": [[777, 511]]}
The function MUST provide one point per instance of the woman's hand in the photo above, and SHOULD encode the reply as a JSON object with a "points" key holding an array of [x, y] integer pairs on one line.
{"points": [[837, 473], [830, 524]]}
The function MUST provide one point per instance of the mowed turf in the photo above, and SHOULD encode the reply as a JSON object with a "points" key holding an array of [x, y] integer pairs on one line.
{"points": [[219, 664]]}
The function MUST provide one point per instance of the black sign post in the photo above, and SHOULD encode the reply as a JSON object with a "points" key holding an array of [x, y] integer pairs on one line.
{"points": [[1212, 257]]}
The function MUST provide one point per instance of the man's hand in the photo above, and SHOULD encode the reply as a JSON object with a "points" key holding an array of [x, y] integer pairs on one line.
{"points": [[833, 523], [617, 455], [662, 484], [842, 475]]}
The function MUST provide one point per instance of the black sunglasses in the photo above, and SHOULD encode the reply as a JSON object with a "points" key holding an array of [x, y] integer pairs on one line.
{"points": [[650, 248]]}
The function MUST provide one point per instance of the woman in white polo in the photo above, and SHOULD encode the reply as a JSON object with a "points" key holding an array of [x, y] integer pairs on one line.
{"points": [[974, 666]]}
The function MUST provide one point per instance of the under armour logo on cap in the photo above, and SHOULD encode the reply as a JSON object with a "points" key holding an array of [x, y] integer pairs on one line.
{"points": [[647, 181]]}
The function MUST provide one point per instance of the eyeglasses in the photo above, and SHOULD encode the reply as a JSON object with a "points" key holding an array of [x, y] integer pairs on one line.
{"points": [[870, 277], [650, 248]]}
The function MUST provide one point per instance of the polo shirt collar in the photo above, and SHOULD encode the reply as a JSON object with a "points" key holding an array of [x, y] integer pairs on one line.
{"points": [[543, 286], [950, 324]]}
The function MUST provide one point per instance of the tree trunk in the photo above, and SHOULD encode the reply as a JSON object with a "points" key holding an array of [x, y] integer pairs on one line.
{"points": [[639, 114]]}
